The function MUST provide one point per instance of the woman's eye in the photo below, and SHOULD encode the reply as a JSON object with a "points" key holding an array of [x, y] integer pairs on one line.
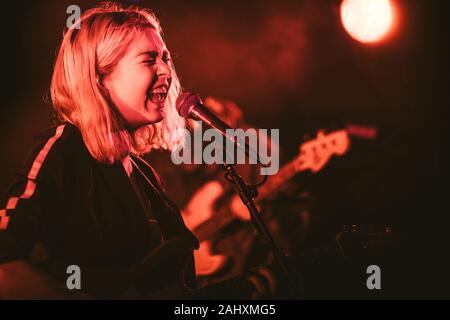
{"points": [[153, 61]]}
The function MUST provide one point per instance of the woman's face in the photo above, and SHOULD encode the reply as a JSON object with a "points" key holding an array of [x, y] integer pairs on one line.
{"points": [[139, 83]]}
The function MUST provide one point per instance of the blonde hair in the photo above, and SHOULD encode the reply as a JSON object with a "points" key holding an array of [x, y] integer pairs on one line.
{"points": [[85, 56]]}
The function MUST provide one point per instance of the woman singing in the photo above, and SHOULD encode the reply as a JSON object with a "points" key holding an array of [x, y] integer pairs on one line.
{"points": [[86, 213]]}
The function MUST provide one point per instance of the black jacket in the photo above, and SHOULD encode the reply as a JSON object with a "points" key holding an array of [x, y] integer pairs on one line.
{"points": [[65, 208]]}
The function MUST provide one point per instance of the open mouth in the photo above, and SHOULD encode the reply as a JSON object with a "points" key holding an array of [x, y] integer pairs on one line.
{"points": [[158, 95]]}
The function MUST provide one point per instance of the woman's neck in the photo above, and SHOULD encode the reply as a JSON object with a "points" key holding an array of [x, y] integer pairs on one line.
{"points": [[128, 166]]}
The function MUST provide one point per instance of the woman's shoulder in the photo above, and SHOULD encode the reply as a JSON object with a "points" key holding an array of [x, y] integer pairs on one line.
{"points": [[61, 136], [55, 150], [63, 140]]}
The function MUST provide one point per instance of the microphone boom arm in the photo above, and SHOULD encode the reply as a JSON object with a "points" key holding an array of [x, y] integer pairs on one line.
{"points": [[247, 194]]}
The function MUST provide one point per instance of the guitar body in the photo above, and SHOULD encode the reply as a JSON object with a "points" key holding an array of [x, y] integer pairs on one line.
{"points": [[200, 209], [206, 262]]}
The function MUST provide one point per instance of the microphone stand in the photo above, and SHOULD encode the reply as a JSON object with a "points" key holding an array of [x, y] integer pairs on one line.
{"points": [[247, 194]]}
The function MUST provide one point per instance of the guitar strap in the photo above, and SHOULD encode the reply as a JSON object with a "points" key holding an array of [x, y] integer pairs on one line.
{"points": [[172, 226]]}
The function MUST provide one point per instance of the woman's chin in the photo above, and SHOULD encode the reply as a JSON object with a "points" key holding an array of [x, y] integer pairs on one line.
{"points": [[160, 116], [154, 112], [157, 116], [147, 121]]}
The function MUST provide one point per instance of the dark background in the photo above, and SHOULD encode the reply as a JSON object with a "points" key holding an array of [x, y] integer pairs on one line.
{"points": [[289, 65]]}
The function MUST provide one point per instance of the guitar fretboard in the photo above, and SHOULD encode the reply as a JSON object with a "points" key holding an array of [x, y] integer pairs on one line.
{"points": [[314, 155], [276, 181], [223, 217]]}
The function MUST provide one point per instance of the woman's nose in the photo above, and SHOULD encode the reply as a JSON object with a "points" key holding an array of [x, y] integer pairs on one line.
{"points": [[164, 69]]}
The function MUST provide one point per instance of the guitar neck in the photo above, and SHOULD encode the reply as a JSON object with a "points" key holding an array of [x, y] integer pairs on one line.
{"points": [[276, 181], [314, 154], [223, 217]]}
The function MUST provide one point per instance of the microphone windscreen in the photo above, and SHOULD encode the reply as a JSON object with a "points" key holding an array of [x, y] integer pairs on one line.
{"points": [[185, 102]]}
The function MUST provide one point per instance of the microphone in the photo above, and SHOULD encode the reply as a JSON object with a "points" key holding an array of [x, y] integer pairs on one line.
{"points": [[190, 105]]}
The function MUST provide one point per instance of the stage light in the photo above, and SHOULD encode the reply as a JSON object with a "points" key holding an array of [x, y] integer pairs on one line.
{"points": [[367, 20]]}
